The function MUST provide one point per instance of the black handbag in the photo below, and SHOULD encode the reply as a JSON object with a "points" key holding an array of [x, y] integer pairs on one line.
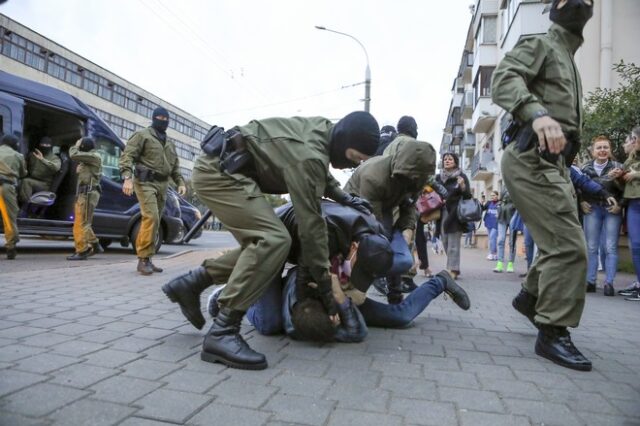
{"points": [[469, 210]]}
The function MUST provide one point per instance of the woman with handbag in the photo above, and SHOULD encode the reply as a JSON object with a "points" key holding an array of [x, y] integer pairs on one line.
{"points": [[458, 188]]}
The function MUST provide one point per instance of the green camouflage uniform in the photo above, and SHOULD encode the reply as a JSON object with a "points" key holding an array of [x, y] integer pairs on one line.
{"points": [[41, 174], [147, 149], [12, 168], [540, 75], [89, 172]]}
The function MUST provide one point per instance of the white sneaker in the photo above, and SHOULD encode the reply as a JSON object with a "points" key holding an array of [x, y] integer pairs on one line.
{"points": [[634, 287], [489, 256], [634, 297]]}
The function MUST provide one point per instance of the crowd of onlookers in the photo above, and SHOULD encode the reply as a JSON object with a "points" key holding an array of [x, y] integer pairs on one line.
{"points": [[608, 203]]}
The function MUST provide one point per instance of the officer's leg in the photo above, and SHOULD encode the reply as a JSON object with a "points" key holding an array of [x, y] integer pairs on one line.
{"points": [[25, 190], [545, 198], [9, 213], [90, 236], [78, 224], [146, 195]]}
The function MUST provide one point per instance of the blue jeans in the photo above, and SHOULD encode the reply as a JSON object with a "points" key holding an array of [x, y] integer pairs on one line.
{"points": [[402, 257], [529, 246], [378, 314], [595, 223], [493, 241], [266, 314], [633, 230], [502, 237]]}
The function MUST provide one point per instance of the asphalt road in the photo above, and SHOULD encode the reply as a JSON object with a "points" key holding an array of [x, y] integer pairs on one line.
{"points": [[51, 254]]}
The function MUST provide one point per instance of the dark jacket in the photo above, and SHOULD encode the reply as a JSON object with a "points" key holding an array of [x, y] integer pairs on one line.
{"points": [[612, 186], [506, 209], [585, 185], [452, 224]]}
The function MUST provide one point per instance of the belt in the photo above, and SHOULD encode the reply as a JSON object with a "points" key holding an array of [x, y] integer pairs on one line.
{"points": [[84, 189]]}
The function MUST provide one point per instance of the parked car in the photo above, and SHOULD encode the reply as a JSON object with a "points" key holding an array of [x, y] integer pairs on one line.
{"points": [[190, 216], [31, 110]]}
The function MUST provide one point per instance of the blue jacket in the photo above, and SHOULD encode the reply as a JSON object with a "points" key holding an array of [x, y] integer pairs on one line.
{"points": [[491, 215], [583, 183]]}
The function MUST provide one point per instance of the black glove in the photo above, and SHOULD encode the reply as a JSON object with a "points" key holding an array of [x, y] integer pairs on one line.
{"points": [[360, 204]]}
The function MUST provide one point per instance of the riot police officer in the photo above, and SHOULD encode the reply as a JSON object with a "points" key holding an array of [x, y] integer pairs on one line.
{"points": [[12, 168]]}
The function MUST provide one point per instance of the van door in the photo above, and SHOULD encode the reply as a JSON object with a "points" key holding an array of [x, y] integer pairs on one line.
{"points": [[11, 116]]}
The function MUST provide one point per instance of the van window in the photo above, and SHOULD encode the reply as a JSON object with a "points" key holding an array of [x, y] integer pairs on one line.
{"points": [[5, 117], [110, 153]]}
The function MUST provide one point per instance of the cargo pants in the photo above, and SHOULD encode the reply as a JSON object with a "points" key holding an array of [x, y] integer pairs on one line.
{"points": [[264, 241], [83, 235], [9, 213], [152, 197], [544, 195]]}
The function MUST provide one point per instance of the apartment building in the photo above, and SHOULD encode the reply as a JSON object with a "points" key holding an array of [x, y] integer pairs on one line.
{"points": [[474, 123], [121, 104]]}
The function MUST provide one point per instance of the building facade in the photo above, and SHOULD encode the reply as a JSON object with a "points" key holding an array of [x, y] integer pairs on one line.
{"points": [[121, 104], [474, 123]]}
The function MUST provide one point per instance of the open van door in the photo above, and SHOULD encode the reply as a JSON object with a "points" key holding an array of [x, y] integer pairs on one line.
{"points": [[11, 115]]}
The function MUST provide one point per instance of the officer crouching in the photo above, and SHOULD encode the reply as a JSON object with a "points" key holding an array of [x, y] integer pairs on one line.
{"points": [[89, 171]]}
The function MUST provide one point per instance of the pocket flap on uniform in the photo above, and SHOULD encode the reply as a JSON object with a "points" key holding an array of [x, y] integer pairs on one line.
{"points": [[554, 177]]}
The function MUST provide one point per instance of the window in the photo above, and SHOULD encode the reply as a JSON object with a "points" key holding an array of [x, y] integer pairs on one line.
{"points": [[482, 83], [489, 30], [110, 153]]}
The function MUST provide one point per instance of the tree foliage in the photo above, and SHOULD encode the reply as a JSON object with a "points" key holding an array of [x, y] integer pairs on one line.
{"points": [[613, 112]]}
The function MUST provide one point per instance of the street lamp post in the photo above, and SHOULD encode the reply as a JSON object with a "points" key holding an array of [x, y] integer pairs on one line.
{"points": [[367, 73]]}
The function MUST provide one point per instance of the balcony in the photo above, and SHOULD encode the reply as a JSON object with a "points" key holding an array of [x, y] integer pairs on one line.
{"points": [[469, 141], [482, 166], [466, 66], [467, 104], [484, 115], [486, 55]]}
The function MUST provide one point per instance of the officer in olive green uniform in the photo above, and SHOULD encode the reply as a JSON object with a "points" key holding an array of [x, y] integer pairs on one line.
{"points": [[147, 163], [89, 172], [391, 184], [288, 155], [42, 165], [12, 168], [539, 84]]}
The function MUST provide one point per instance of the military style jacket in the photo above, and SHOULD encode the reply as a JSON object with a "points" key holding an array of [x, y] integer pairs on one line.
{"points": [[89, 166], [145, 148], [12, 164], [632, 188], [384, 181], [291, 155], [44, 170], [539, 74]]}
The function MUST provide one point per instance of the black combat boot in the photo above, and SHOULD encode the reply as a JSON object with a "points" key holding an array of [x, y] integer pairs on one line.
{"points": [[96, 248], [83, 255], [185, 290], [11, 253], [144, 266], [394, 296], [554, 343], [525, 303], [457, 293], [154, 267], [224, 344]]}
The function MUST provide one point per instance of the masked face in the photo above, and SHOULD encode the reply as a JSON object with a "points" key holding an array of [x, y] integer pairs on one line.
{"points": [[349, 262], [160, 119], [571, 14], [44, 149]]}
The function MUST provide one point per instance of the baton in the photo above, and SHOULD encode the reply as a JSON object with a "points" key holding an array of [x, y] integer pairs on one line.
{"points": [[196, 227]]}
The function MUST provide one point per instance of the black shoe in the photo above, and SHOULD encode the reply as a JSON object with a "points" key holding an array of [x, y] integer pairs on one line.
{"points": [[394, 293], [185, 290], [591, 287], [380, 284], [525, 303], [554, 343], [457, 293], [407, 285], [144, 266], [96, 248], [608, 290], [154, 267], [394, 298], [80, 256], [224, 344], [11, 253]]}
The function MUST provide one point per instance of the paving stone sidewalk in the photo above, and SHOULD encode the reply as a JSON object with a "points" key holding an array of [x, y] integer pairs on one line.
{"points": [[101, 345]]}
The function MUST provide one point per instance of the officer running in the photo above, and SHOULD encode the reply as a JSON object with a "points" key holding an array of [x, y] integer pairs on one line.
{"points": [[538, 82], [277, 156], [12, 168], [87, 196], [151, 159]]}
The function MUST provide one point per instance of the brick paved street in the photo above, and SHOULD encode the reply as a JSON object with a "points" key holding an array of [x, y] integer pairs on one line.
{"points": [[100, 345]]}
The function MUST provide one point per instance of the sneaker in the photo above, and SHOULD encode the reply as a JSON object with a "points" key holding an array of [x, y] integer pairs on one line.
{"points": [[632, 288], [490, 257], [634, 297], [510, 267], [499, 267]]}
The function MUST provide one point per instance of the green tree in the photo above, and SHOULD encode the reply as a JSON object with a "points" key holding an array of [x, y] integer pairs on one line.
{"points": [[275, 200], [613, 112]]}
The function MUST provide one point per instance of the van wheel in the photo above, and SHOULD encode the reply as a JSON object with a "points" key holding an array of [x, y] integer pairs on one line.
{"points": [[105, 242], [134, 236]]}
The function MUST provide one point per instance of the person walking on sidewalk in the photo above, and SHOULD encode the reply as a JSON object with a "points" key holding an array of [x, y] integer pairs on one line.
{"points": [[148, 161], [12, 168], [631, 195], [491, 224], [506, 211], [538, 83], [88, 194]]}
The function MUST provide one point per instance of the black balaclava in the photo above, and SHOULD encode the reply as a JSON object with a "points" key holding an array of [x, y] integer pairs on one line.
{"points": [[45, 145], [11, 141], [358, 130], [573, 16], [408, 126], [160, 125], [87, 144]]}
